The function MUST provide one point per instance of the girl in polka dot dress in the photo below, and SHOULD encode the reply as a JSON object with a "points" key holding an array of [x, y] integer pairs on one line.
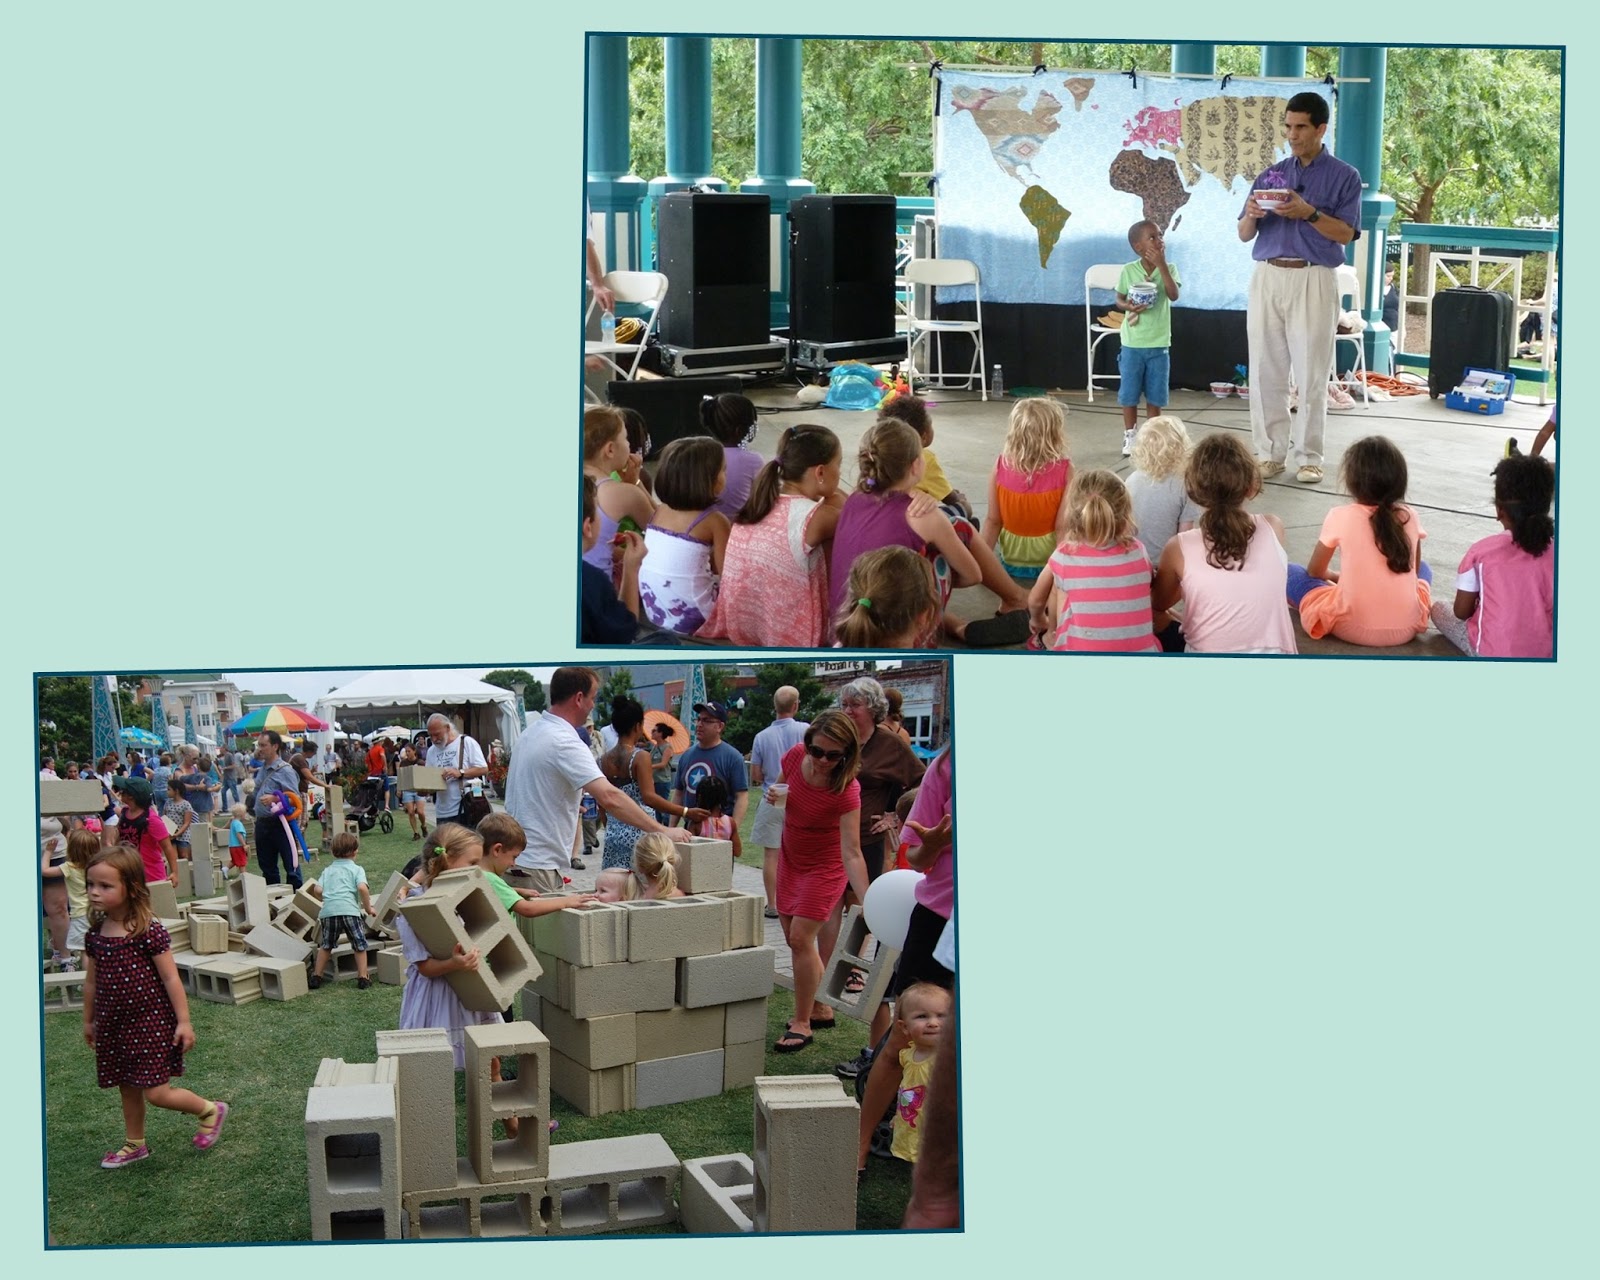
{"points": [[135, 1014]]}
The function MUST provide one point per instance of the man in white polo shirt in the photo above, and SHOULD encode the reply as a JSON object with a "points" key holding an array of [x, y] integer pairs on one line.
{"points": [[551, 767]]}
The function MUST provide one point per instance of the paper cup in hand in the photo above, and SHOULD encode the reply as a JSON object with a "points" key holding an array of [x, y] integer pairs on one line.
{"points": [[778, 794]]}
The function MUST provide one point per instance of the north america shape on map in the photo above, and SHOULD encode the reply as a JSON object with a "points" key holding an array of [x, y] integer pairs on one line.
{"points": [[1015, 138], [1226, 137]]}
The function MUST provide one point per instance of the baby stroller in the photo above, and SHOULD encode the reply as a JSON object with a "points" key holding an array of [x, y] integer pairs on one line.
{"points": [[365, 805]]}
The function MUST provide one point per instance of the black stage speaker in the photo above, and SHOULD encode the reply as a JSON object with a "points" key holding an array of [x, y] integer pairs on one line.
{"points": [[841, 281], [671, 406], [715, 251]]}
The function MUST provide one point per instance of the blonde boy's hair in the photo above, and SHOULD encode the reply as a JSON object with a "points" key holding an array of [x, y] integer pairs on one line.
{"points": [[1162, 447], [1037, 435]]}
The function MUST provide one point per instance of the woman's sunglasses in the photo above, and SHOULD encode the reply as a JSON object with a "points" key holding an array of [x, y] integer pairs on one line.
{"points": [[817, 753]]}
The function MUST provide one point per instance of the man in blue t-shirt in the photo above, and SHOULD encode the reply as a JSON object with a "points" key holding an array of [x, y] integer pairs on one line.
{"points": [[711, 755]]}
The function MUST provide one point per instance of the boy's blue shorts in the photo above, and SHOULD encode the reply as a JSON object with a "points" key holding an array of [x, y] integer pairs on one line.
{"points": [[1145, 370]]}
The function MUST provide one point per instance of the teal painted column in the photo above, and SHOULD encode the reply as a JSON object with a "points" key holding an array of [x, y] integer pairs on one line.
{"points": [[1283, 60], [777, 174], [688, 126], [614, 192], [1194, 59], [1360, 142]]}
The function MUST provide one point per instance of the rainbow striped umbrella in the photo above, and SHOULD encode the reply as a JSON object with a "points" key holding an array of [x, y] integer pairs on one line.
{"points": [[283, 719]]}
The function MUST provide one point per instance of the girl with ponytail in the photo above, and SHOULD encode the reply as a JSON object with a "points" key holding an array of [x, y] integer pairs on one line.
{"points": [[1506, 586], [774, 588], [891, 602], [1381, 595], [731, 419], [1099, 576], [1231, 570]]}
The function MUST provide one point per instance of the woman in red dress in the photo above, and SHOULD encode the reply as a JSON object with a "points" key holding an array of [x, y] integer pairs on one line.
{"points": [[821, 855]]}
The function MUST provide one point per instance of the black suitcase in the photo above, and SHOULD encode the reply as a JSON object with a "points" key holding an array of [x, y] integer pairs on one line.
{"points": [[1472, 329]]}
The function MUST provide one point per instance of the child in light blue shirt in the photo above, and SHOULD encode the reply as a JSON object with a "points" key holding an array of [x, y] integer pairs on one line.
{"points": [[343, 891]]}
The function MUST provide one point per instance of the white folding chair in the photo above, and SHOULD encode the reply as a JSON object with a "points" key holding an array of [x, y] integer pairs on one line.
{"points": [[645, 289], [1103, 277], [934, 272], [1350, 287]]}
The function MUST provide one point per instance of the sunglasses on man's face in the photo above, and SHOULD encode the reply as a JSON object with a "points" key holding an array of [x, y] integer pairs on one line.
{"points": [[817, 753]]}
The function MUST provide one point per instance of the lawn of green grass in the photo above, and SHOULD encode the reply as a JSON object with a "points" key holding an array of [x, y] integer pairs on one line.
{"points": [[262, 1057]]}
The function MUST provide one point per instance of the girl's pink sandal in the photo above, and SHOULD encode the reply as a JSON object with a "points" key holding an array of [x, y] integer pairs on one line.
{"points": [[208, 1137]]}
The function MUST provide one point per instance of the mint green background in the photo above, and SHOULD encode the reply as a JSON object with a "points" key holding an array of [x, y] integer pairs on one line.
{"points": [[1298, 979]]}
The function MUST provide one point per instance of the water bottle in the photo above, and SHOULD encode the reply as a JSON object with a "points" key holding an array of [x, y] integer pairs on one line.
{"points": [[608, 326], [997, 383]]}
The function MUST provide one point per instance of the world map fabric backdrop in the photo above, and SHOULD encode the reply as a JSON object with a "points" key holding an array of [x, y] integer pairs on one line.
{"points": [[1039, 177]]}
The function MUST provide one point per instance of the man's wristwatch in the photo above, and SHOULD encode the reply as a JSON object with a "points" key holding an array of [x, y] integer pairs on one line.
{"points": [[1314, 215]]}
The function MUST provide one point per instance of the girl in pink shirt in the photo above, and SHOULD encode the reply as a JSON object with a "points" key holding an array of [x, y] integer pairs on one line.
{"points": [[1380, 596], [1506, 586]]}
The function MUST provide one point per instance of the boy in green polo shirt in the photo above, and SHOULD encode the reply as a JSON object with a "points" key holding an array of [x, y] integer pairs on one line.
{"points": [[1146, 290], [503, 839]]}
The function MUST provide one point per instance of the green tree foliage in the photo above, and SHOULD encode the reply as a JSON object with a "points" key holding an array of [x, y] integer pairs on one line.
{"points": [[64, 703], [757, 713], [509, 677], [618, 684]]}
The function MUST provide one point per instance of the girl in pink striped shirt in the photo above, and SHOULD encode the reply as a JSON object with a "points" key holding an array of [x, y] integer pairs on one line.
{"points": [[1097, 584]]}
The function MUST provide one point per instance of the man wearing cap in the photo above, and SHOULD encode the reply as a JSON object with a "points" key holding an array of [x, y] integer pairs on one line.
{"points": [[273, 774], [551, 767], [1294, 298], [711, 755], [766, 767]]}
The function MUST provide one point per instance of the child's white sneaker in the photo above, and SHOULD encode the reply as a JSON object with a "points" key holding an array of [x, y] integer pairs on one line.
{"points": [[1128, 434]]}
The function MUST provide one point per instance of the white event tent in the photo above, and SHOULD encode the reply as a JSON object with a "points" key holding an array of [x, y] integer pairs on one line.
{"points": [[484, 711]]}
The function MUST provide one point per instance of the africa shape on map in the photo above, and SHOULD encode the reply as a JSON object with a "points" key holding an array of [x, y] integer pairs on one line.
{"points": [[1227, 138]]}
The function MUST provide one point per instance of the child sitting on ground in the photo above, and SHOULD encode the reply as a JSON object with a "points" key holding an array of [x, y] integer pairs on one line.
{"points": [[342, 890], [1028, 488], [608, 460], [686, 539], [891, 602], [731, 419], [503, 839], [923, 1012], [1098, 580], [1506, 587], [609, 616], [1161, 507], [1231, 571], [711, 795], [913, 411], [1381, 595], [654, 874]]}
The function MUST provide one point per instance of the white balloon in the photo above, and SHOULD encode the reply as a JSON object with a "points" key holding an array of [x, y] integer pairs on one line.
{"points": [[889, 902]]}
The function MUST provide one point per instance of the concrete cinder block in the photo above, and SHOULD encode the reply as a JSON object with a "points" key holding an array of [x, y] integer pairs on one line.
{"points": [[202, 871], [63, 991], [391, 968], [353, 1160], [333, 797], [614, 988], [386, 906], [186, 962], [592, 1092], [247, 902], [336, 1071], [742, 1063], [847, 955], [163, 899], [265, 940], [185, 886], [459, 907], [671, 1033], [715, 1194], [526, 1098], [280, 979], [745, 1020], [295, 923], [217, 906], [208, 935], [805, 1154], [228, 979], [178, 933], [425, 1064], [531, 1007], [593, 934], [669, 928], [611, 1184], [592, 1043], [742, 918], [467, 1208], [59, 797], [682, 1079], [705, 866], [342, 964], [725, 978], [420, 777]]}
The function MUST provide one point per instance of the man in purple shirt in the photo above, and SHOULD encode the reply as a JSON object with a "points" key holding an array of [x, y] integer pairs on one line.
{"points": [[1311, 210]]}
